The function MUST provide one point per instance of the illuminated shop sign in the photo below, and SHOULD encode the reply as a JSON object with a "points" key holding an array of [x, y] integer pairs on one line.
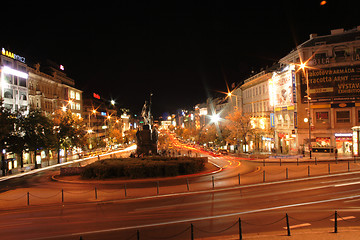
{"points": [[12, 55], [332, 84], [282, 88]]}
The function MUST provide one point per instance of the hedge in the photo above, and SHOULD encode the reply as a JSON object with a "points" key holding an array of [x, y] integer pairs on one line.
{"points": [[143, 167]]}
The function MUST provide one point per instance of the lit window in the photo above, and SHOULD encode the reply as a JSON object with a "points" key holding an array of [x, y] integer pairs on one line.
{"points": [[77, 96], [77, 106], [72, 94]]}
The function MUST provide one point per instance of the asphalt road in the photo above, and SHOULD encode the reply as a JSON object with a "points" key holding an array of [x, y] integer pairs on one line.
{"points": [[309, 202]]}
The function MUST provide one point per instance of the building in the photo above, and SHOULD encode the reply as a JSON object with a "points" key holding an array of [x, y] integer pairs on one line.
{"points": [[327, 91], [50, 89], [14, 81], [255, 101]]}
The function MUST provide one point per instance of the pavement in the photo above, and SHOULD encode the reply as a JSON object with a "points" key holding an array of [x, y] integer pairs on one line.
{"points": [[348, 233]]}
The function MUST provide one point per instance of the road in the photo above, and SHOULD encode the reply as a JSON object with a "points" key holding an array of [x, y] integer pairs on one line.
{"points": [[309, 201]]}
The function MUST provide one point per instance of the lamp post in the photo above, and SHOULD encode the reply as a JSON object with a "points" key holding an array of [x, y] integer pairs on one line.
{"points": [[306, 72]]}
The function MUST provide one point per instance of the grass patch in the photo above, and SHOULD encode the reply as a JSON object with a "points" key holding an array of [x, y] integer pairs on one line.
{"points": [[143, 167]]}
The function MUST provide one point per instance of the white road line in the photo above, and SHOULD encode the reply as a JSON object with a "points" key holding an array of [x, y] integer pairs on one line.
{"points": [[347, 184], [342, 218], [202, 218], [299, 225]]}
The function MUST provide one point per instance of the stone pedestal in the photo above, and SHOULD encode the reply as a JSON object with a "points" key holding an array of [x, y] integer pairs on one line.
{"points": [[146, 140]]}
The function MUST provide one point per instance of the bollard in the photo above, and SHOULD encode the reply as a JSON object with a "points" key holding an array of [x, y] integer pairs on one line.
{"points": [[287, 225], [329, 168], [187, 184], [62, 195], [264, 176], [280, 161], [348, 166], [336, 159], [81, 238], [28, 198], [213, 182], [95, 193], [308, 170], [297, 161], [335, 223], [240, 231], [287, 173], [125, 189], [157, 187], [239, 178], [138, 234], [315, 161], [264, 162], [192, 231]]}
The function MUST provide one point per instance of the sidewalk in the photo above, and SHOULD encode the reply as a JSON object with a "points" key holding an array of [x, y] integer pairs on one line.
{"points": [[348, 233]]}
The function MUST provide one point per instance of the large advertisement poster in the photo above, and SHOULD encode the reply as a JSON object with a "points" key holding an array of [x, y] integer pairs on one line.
{"points": [[282, 88], [332, 84]]}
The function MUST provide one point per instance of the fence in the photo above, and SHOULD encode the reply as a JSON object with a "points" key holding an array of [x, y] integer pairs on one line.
{"points": [[238, 228], [133, 190]]}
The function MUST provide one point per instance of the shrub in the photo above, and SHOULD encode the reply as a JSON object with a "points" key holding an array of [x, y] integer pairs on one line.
{"points": [[143, 168]]}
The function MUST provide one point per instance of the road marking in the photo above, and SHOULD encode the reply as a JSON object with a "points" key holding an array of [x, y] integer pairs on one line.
{"points": [[299, 226], [342, 218], [347, 184], [201, 218]]}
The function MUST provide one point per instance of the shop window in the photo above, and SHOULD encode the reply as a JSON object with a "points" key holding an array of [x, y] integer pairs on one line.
{"points": [[322, 117], [343, 117]]}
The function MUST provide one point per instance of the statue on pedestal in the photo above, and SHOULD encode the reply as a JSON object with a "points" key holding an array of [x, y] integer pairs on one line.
{"points": [[147, 138]]}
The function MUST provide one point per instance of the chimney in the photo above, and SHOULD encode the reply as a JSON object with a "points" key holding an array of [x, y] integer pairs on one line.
{"points": [[313, 35], [337, 31]]}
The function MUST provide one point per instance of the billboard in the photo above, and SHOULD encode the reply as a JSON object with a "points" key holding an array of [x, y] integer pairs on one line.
{"points": [[282, 88], [332, 84]]}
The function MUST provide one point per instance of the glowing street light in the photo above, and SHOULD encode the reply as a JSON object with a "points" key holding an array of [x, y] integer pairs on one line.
{"points": [[112, 102], [303, 66], [215, 118]]}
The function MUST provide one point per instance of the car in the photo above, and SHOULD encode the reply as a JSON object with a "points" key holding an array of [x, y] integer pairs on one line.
{"points": [[223, 152]]}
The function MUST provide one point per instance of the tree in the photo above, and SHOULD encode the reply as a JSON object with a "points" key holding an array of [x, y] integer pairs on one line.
{"points": [[69, 131], [6, 123], [37, 130], [239, 126]]}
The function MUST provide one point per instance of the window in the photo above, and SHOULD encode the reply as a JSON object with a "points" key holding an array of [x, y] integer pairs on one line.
{"points": [[8, 78], [342, 116], [8, 93], [77, 96], [322, 117], [72, 94], [358, 115], [78, 106], [22, 82], [23, 96]]}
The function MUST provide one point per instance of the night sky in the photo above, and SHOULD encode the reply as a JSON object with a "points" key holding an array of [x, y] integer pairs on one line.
{"points": [[181, 51]]}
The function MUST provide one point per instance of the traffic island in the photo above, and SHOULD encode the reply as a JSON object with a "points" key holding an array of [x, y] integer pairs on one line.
{"points": [[138, 169]]}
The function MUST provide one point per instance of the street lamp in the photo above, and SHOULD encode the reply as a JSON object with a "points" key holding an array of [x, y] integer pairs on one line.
{"points": [[304, 67]]}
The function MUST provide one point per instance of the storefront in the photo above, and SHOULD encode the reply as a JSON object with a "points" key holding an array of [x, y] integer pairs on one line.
{"points": [[344, 143], [322, 144]]}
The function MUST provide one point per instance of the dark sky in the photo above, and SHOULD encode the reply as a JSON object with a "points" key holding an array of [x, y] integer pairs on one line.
{"points": [[182, 51]]}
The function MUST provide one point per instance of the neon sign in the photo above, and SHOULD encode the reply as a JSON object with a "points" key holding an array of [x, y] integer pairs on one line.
{"points": [[97, 96], [12, 55]]}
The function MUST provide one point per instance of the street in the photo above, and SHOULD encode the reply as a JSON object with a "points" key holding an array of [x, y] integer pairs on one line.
{"points": [[35, 207]]}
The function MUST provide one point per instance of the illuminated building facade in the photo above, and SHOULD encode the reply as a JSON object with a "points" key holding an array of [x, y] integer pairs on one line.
{"points": [[14, 81], [50, 89], [333, 70], [256, 104]]}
